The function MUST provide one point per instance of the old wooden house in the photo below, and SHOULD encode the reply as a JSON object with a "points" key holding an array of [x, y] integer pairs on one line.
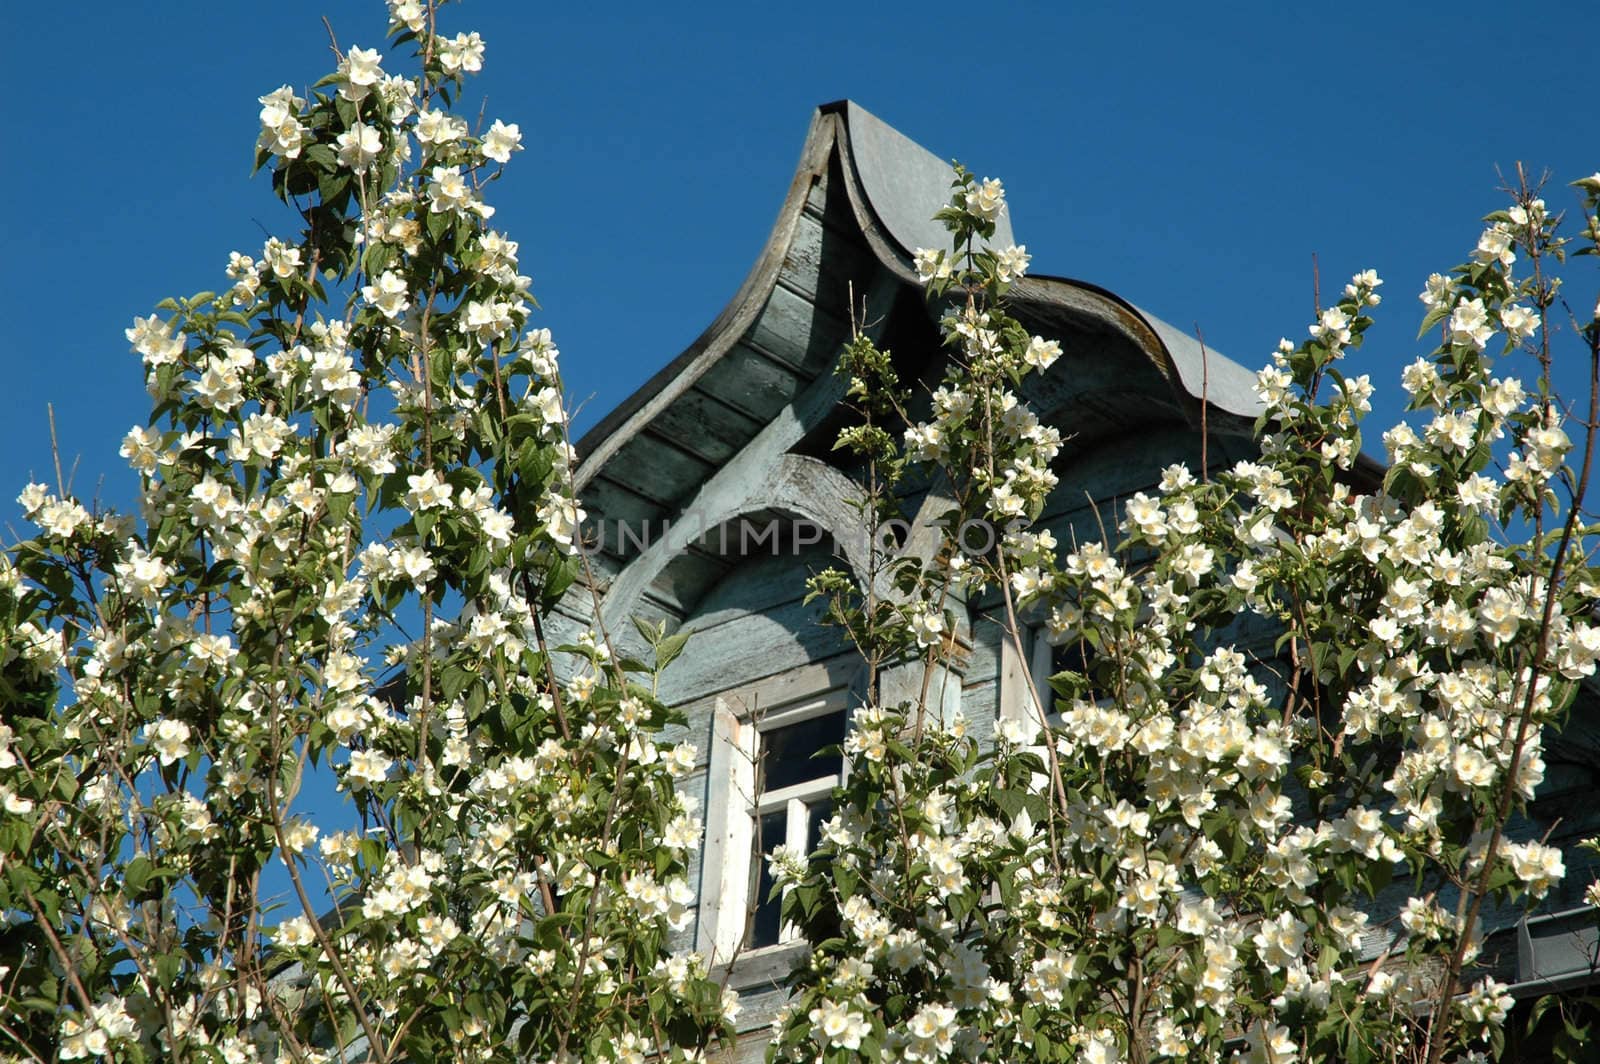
{"points": [[713, 491]]}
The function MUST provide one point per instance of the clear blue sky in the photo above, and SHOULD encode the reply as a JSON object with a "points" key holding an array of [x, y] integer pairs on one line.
{"points": [[1190, 157]]}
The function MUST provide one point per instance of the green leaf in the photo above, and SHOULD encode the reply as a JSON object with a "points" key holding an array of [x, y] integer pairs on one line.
{"points": [[136, 875], [668, 649]]}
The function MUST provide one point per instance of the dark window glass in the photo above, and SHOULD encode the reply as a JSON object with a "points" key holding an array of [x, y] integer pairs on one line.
{"points": [[766, 913], [818, 813], [787, 752], [1075, 655]]}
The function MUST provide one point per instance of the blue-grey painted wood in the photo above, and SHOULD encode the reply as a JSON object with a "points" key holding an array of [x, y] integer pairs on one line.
{"points": [[783, 326], [706, 426], [905, 183]]}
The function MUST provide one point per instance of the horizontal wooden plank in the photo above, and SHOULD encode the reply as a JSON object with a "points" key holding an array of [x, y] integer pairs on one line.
{"points": [[609, 504], [654, 467], [824, 262], [752, 383], [705, 426], [747, 648], [797, 331]]}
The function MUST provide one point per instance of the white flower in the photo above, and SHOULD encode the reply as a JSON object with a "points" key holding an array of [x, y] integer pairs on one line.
{"points": [[283, 260], [439, 127], [170, 740], [213, 649], [1437, 292], [924, 442], [1011, 263], [1519, 322], [461, 55], [931, 264], [13, 803], [1333, 328], [561, 517], [1536, 864], [448, 191], [838, 1026], [416, 565], [361, 71], [932, 1031], [1041, 353], [427, 491], [143, 576], [294, 932], [218, 387], [1279, 941], [333, 377], [1504, 396], [488, 320], [1471, 769], [1469, 324], [1495, 246], [1019, 731], [497, 526], [408, 13], [388, 294], [1175, 478], [281, 131], [366, 768], [539, 348], [1049, 977], [359, 146], [927, 624], [1365, 282], [501, 141], [788, 863], [546, 402], [1272, 385], [986, 199], [1275, 1046], [152, 338]]}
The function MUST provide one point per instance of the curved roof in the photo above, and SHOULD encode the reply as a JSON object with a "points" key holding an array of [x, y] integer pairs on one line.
{"points": [[861, 202]]}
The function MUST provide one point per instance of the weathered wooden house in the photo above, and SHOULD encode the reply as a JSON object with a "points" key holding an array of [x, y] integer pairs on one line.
{"points": [[713, 491]]}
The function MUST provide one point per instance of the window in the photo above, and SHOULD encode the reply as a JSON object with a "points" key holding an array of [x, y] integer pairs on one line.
{"points": [[794, 788], [1048, 657], [773, 787]]}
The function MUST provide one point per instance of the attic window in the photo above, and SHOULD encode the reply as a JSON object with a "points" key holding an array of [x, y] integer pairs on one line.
{"points": [[1049, 658], [794, 788], [773, 775]]}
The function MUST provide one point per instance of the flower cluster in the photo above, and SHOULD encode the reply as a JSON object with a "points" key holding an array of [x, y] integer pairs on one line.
{"points": [[1185, 844], [355, 508]]}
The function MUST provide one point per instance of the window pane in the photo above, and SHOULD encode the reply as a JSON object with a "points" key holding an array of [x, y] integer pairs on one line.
{"points": [[786, 752], [817, 814], [766, 919], [1075, 655]]}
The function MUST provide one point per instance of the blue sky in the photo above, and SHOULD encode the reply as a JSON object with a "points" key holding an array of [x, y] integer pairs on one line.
{"points": [[1191, 158]]}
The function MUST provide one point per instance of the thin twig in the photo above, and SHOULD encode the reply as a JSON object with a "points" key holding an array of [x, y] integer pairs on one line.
{"points": [[333, 42], [1205, 402], [55, 448]]}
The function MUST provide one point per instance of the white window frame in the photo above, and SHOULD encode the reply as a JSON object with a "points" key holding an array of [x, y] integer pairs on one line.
{"points": [[1025, 676], [1041, 652], [733, 805]]}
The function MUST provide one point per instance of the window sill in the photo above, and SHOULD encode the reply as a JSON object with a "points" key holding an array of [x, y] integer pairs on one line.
{"points": [[763, 969]]}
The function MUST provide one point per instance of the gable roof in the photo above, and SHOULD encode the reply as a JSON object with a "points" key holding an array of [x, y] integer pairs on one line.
{"points": [[860, 203]]}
